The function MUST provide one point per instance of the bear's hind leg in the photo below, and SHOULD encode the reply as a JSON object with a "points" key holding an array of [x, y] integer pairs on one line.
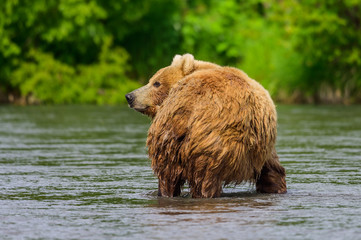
{"points": [[170, 189], [211, 188], [272, 178], [206, 188]]}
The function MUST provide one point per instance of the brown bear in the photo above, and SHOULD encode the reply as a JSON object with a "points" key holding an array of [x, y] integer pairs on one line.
{"points": [[211, 126]]}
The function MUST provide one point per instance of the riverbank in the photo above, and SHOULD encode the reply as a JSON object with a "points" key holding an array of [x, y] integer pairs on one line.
{"points": [[327, 97]]}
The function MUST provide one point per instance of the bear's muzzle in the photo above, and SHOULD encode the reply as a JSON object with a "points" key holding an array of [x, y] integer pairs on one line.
{"points": [[130, 99]]}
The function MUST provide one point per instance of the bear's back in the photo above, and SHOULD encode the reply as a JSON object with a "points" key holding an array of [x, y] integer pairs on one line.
{"points": [[222, 88]]}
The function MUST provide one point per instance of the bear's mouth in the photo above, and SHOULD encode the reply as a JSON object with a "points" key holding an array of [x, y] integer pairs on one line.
{"points": [[141, 110]]}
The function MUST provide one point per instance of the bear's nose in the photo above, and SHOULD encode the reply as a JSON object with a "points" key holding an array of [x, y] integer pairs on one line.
{"points": [[130, 98]]}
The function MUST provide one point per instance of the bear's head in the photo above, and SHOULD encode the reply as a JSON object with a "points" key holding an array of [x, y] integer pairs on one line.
{"points": [[148, 98]]}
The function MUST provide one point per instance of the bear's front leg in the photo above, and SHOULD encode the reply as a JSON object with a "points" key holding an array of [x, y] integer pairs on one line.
{"points": [[169, 188]]}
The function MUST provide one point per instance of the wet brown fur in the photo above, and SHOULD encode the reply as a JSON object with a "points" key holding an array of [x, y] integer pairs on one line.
{"points": [[211, 126]]}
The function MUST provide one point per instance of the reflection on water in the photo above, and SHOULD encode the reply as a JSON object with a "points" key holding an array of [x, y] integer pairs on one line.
{"points": [[224, 204], [82, 172]]}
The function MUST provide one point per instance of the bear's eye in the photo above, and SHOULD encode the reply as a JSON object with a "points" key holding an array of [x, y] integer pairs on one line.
{"points": [[156, 84]]}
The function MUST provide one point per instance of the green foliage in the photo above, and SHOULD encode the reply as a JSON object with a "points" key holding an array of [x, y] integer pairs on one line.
{"points": [[52, 81], [307, 51], [241, 35], [329, 41], [86, 51]]}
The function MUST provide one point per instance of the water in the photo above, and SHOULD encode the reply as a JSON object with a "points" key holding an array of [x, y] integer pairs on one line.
{"points": [[82, 172]]}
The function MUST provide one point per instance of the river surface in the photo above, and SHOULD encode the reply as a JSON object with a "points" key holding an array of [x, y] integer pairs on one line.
{"points": [[82, 172]]}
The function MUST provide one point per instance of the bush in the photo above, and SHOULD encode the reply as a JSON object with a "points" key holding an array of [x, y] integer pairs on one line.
{"points": [[80, 51], [48, 80]]}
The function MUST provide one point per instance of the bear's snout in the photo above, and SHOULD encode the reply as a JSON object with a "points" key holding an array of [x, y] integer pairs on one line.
{"points": [[130, 98], [139, 100]]}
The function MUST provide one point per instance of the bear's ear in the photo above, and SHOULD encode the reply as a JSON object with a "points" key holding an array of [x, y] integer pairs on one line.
{"points": [[185, 62], [176, 60], [188, 63]]}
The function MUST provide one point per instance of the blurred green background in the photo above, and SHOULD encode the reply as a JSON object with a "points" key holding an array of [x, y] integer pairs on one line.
{"points": [[95, 51]]}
